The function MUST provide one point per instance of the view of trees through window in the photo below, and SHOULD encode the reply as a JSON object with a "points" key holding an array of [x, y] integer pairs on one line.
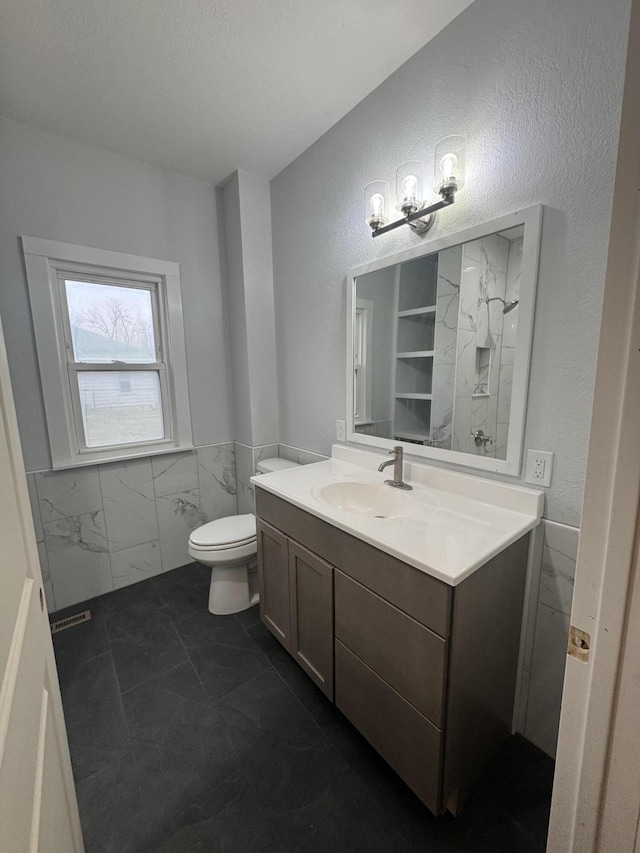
{"points": [[113, 324]]}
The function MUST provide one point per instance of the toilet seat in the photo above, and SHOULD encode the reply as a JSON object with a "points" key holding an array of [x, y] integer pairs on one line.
{"points": [[235, 531], [230, 546]]}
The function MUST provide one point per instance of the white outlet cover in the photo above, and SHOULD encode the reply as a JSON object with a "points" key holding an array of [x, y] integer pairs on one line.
{"points": [[341, 430], [539, 467]]}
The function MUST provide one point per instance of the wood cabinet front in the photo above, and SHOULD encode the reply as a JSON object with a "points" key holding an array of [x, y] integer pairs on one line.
{"points": [[425, 672], [311, 599], [403, 737], [273, 562], [296, 602], [410, 658]]}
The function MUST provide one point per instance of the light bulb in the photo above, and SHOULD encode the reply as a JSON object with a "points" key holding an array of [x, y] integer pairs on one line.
{"points": [[410, 187], [376, 199], [448, 165], [376, 203]]}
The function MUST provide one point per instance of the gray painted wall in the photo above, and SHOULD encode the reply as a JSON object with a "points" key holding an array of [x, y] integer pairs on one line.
{"points": [[59, 189], [246, 205], [536, 87], [239, 354]]}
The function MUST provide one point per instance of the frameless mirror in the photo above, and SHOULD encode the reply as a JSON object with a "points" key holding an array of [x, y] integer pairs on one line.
{"points": [[438, 345]]}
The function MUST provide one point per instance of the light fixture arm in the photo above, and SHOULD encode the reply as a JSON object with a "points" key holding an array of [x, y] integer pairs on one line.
{"points": [[448, 198]]}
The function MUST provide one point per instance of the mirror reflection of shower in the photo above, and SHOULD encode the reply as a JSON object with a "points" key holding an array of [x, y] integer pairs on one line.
{"points": [[508, 306], [434, 361]]}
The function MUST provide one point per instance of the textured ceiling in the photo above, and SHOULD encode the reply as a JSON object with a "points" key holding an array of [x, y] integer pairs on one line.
{"points": [[204, 87]]}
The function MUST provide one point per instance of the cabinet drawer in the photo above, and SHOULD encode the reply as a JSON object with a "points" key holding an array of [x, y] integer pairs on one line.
{"points": [[426, 599], [403, 737], [410, 657]]}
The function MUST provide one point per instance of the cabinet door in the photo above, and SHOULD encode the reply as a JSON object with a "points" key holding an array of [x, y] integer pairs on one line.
{"points": [[273, 573], [311, 594]]}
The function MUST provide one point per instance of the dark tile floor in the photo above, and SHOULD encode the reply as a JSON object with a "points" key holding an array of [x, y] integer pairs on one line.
{"points": [[190, 732]]}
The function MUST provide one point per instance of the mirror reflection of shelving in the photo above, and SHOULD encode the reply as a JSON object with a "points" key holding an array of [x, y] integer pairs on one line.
{"points": [[416, 288]]}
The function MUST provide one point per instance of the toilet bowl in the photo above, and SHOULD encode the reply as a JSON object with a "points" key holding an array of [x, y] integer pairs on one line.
{"points": [[229, 546]]}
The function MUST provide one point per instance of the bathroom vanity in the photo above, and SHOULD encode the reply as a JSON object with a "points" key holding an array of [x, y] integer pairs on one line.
{"points": [[421, 658]]}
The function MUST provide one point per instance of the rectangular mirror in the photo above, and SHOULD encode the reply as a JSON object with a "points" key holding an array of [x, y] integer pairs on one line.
{"points": [[438, 345]]}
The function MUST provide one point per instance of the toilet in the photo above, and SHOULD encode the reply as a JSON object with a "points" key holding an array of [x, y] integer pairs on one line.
{"points": [[229, 546]]}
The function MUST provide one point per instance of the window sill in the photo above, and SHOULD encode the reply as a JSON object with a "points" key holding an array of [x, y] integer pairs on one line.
{"points": [[122, 457]]}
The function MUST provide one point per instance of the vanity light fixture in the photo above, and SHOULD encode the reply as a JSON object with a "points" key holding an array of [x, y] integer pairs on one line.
{"points": [[448, 179]]}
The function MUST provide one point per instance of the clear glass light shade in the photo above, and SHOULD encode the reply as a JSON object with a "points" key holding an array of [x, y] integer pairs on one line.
{"points": [[409, 186], [376, 204], [450, 165]]}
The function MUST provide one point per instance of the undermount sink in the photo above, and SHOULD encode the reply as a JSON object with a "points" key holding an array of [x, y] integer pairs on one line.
{"points": [[372, 499]]}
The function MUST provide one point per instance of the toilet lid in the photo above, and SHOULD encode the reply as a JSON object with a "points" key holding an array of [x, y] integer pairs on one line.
{"points": [[233, 530]]}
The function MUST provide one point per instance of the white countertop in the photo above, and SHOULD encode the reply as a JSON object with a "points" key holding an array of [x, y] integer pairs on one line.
{"points": [[459, 523]]}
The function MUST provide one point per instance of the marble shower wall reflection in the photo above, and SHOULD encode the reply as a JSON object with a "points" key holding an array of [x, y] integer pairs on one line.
{"points": [[107, 526], [491, 270], [445, 345], [547, 632]]}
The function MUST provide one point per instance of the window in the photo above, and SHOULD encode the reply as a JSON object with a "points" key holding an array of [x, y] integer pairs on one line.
{"points": [[110, 342]]}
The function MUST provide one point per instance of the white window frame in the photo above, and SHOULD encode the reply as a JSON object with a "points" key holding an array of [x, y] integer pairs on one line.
{"points": [[47, 263]]}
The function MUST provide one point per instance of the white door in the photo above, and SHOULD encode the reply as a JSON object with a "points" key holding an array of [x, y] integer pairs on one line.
{"points": [[596, 796], [38, 809]]}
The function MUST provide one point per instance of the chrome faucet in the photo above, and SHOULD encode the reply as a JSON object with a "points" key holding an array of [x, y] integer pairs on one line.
{"points": [[398, 454]]}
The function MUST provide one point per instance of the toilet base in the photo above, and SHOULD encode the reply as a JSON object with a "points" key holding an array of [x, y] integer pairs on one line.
{"points": [[233, 588]]}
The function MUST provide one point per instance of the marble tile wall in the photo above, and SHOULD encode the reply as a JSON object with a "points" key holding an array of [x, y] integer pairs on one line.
{"points": [[484, 276], [247, 459], [444, 346], [507, 354], [545, 646], [107, 526]]}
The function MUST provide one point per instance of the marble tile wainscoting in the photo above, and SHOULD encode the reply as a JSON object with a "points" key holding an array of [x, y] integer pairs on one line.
{"points": [[247, 459], [107, 526], [554, 557]]}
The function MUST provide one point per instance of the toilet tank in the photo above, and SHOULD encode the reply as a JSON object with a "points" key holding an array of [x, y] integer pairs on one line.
{"points": [[266, 466]]}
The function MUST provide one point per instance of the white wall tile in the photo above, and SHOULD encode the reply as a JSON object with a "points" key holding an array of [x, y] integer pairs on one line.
{"points": [[129, 503], [174, 472], [140, 511], [66, 493], [244, 470], [136, 564], [461, 436], [46, 578], [77, 551], [217, 479], [35, 507], [265, 451], [504, 393], [178, 515], [529, 620], [546, 678], [285, 451], [307, 457], [502, 435], [558, 569], [468, 318]]}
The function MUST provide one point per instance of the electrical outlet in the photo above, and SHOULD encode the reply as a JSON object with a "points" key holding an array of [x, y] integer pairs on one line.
{"points": [[341, 431], [539, 467]]}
